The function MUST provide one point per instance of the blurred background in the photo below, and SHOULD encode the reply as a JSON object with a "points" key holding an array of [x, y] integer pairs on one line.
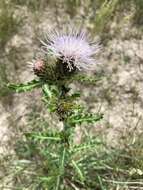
{"points": [[118, 95]]}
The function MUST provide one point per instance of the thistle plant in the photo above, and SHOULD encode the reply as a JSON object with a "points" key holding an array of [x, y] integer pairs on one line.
{"points": [[64, 57]]}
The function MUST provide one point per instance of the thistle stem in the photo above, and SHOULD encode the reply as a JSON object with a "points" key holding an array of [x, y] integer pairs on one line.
{"points": [[65, 141]]}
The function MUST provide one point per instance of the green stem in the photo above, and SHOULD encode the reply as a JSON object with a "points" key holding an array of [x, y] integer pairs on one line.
{"points": [[65, 143]]}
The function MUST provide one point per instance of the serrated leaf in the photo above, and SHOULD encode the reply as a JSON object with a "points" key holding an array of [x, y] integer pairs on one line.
{"points": [[46, 90], [50, 94], [45, 136], [86, 79], [50, 90], [78, 170], [81, 118], [91, 144], [25, 87]]}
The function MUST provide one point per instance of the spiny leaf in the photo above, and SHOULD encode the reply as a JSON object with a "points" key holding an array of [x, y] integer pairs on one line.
{"points": [[45, 136], [78, 170], [62, 161], [50, 94], [46, 90], [89, 145], [25, 87], [81, 118], [50, 91], [86, 79]]}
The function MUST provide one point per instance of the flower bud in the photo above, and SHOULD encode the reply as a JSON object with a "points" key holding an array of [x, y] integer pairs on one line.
{"points": [[38, 67]]}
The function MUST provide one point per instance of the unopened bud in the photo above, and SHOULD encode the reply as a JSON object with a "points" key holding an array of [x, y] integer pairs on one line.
{"points": [[39, 67]]}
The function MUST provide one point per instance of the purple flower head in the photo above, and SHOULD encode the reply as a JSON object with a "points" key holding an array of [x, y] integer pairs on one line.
{"points": [[72, 47]]}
